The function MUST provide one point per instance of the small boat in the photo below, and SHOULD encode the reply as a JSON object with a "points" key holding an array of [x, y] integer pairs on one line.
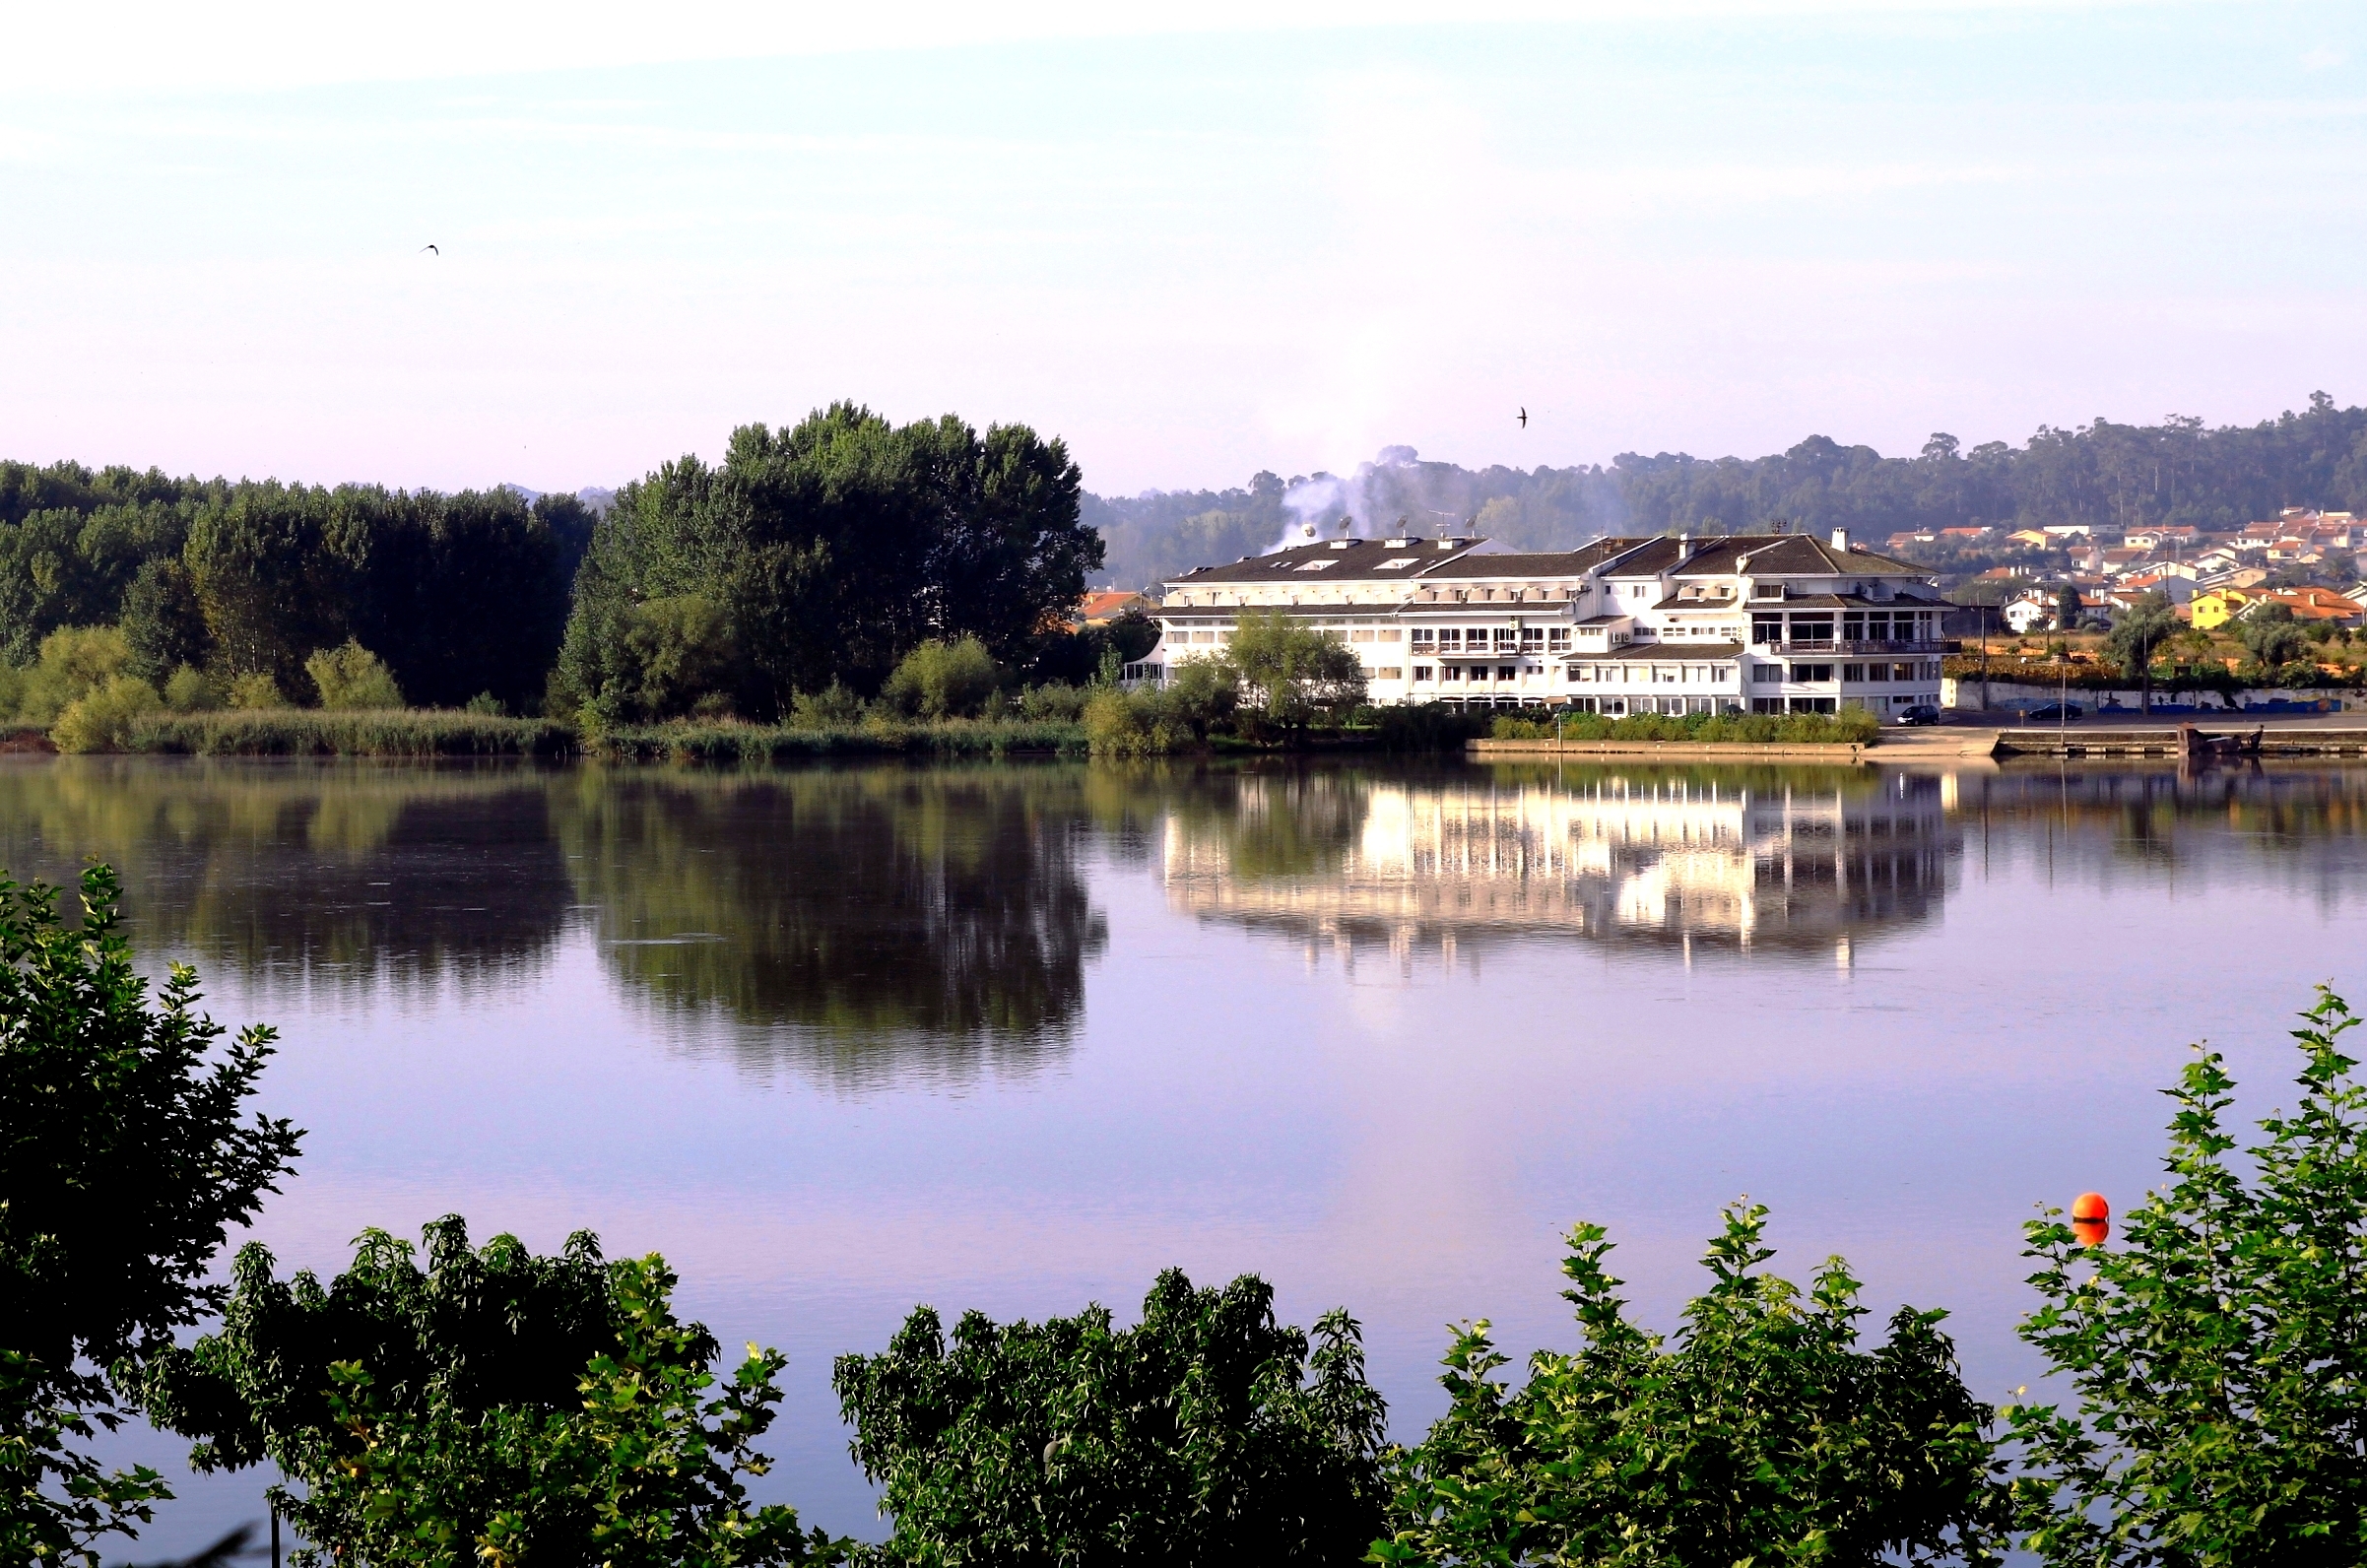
{"points": [[2192, 742]]}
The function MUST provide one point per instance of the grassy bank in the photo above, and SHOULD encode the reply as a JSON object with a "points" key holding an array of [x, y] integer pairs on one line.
{"points": [[775, 742], [1852, 728], [312, 732]]}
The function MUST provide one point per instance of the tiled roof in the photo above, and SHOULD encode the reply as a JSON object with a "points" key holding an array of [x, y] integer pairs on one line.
{"points": [[1788, 555], [1541, 563]]}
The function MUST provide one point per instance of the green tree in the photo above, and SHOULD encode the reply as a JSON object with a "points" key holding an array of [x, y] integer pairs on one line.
{"points": [[2219, 1352], [1765, 1436], [74, 660], [2137, 637], [1289, 675], [2269, 634], [164, 626], [834, 547], [1195, 1437], [350, 675], [124, 1161], [942, 679], [492, 1408], [2067, 607]]}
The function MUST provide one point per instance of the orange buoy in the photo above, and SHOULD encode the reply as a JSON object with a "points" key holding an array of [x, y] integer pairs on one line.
{"points": [[2092, 1219]]}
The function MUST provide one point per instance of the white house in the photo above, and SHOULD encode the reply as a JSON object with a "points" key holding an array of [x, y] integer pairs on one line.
{"points": [[2033, 610], [1725, 623]]}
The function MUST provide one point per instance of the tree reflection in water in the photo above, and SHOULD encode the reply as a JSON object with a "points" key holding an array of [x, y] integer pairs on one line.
{"points": [[306, 875], [856, 924]]}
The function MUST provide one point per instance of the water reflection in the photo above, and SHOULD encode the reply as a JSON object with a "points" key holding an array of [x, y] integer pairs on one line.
{"points": [[1784, 860], [852, 923], [304, 875]]}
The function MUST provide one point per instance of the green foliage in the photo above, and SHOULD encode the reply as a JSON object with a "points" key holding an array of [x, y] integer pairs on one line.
{"points": [[72, 661], [104, 718], [832, 707], [941, 679], [1199, 696], [1287, 675], [1193, 1438], [1850, 727], [378, 732], [2136, 638], [2270, 635], [352, 677], [1428, 725], [834, 548], [1053, 700], [749, 743], [256, 692], [486, 704], [124, 1162], [1764, 1436], [191, 691], [496, 1407], [1072, 659], [682, 648], [2219, 1352], [163, 623]]}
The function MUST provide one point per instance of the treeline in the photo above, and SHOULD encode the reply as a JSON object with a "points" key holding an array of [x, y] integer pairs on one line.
{"points": [[816, 557], [494, 1405], [2104, 474]]}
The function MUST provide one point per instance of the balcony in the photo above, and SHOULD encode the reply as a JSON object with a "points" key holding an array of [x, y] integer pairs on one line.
{"points": [[1851, 645]]}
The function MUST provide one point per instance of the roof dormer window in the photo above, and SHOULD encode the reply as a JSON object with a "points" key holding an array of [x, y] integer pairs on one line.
{"points": [[1315, 565]]}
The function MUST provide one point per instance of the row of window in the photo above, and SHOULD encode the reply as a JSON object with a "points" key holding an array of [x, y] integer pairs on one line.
{"points": [[1851, 673], [1486, 639]]}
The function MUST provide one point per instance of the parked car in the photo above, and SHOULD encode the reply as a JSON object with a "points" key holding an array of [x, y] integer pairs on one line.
{"points": [[2053, 712], [1921, 713]]}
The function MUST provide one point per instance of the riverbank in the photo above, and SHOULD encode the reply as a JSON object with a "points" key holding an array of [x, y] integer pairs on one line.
{"points": [[378, 732], [1835, 752]]}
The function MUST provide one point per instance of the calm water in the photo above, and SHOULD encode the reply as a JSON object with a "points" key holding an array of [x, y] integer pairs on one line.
{"points": [[838, 1041]]}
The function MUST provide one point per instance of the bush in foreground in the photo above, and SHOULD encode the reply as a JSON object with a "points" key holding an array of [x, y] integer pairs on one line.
{"points": [[2219, 1353], [1193, 1438], [1854, 727], [1764, 1436], [494, 1408], [124, 1162], [312, 732]]}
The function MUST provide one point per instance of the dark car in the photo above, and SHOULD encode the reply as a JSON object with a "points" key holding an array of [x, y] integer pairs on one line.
{"points": [[2055, 712], [1921, 713]]}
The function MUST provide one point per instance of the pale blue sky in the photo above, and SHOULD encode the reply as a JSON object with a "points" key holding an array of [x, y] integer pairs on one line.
{"points": [[1263, 240]]}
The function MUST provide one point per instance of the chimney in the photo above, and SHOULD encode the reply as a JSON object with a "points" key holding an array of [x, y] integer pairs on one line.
{"points": [[1841, 538]]}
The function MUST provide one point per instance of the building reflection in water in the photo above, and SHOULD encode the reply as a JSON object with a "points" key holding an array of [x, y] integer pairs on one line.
{"points": [[1805, 865]]}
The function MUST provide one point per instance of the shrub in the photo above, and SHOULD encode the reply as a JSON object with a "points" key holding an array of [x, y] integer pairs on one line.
{"points": [[684, 648], [830, 709], [256, 691], [1124, 724], [2219, 1353], [73, 660], [1194, 1437], [189, 690], [943, 680], [103, 720], [1764, 1436], [113, 1199], [487, 704], [1053, 700], [492, 1408], [352, 677]]}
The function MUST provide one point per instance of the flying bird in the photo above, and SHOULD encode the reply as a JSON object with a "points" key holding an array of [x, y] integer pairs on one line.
{"points": [[1524, 417], [430, 248]]}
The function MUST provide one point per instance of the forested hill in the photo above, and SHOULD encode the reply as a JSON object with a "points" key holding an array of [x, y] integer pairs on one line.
{"points": [[2120, 476]]}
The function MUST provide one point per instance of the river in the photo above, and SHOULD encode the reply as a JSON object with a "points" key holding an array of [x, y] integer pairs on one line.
{"points": [[840, 1040]]}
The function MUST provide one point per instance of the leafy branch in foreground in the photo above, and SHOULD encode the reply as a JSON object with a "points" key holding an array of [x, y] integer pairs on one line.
{"points": [[2220, 1352], [496, 1407], [1765, 1436], [123, 1163], [1194, 1437]]}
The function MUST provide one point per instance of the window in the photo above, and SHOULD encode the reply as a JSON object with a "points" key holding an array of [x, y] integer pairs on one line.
{"points": [[1399, 564], [1720, 675], [1422, 639], [1855, 671], [1811, 631], [1766, 704], [1767, 674], [1390, 672], [1813, 705], [1450, 672], [1315, 565], [1765, 629], [1360, 637], [1532, 639], [1450, 639], [1421, 672], [1203, 637], [1811, 672], [1902, 671], [1557, 638], [1505, 671], [1387, 634]]}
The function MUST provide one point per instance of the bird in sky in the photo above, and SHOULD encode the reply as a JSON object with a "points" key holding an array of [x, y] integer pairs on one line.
{"points": [[1524, 417], [430, 248]]}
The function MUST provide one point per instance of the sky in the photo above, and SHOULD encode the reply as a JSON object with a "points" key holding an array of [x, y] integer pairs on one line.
{"points": [[1191, 241]]}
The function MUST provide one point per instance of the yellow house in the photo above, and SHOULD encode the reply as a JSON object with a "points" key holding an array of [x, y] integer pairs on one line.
{"points": [[2218, 607]]}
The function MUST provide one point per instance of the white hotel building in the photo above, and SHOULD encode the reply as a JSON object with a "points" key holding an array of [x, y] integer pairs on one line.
{"points": [[1724, 624]]}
